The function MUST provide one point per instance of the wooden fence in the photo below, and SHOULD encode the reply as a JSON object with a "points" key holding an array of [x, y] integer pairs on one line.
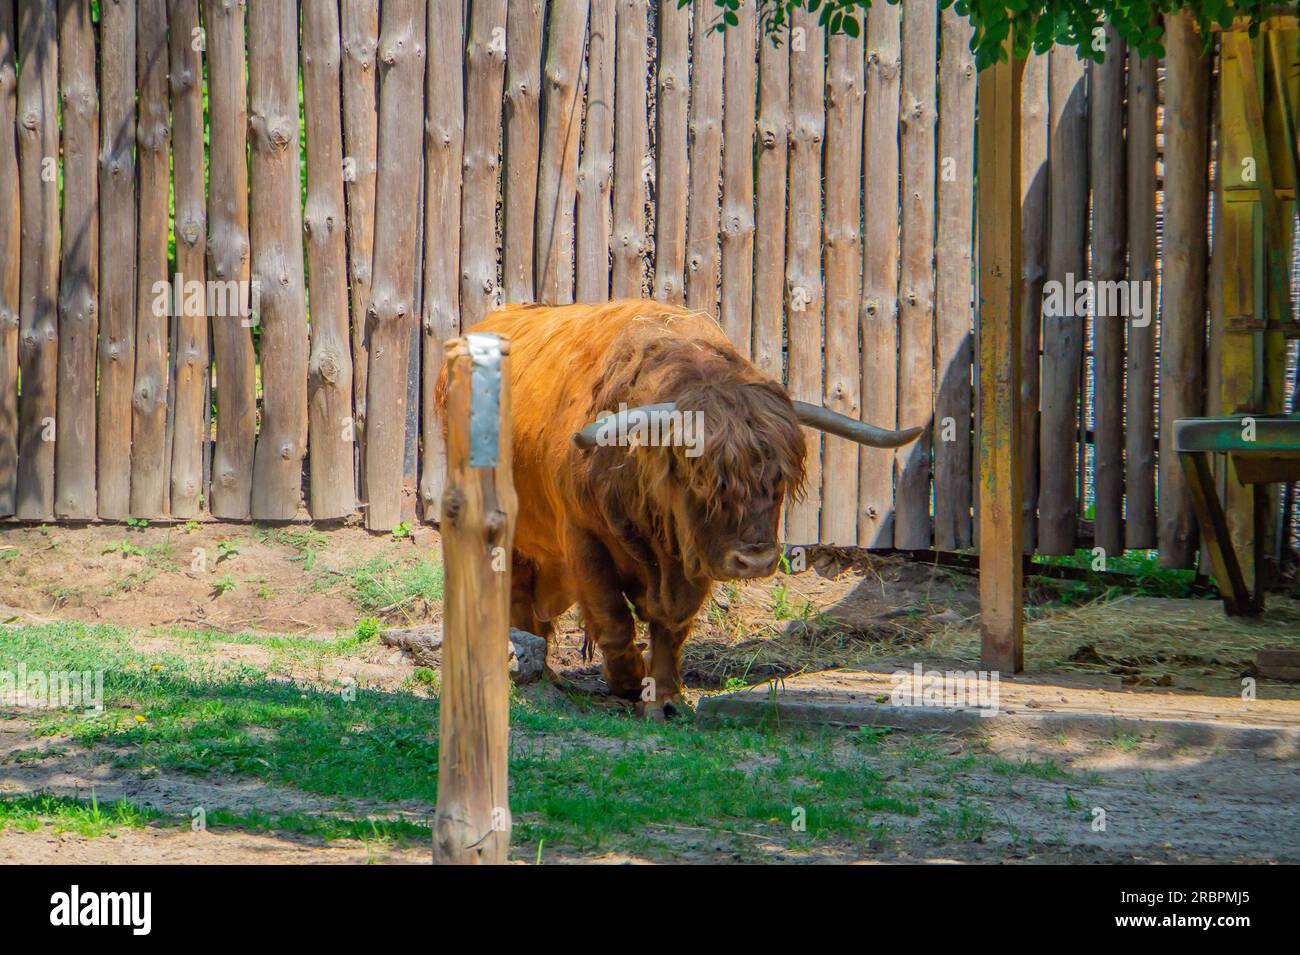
{"points": [[230, 253]]}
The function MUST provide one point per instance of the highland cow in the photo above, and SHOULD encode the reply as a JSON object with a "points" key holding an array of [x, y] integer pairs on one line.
{"points": [[650, 460]]}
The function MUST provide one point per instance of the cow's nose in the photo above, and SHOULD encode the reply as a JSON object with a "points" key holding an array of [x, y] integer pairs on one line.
{"points": [[752, 560]]}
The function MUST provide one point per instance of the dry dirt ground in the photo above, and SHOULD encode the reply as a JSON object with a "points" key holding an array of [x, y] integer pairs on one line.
{"points": [[164, 581]]}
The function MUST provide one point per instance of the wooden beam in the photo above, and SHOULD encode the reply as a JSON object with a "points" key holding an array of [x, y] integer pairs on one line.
{"points": [[472, 822], [1182, 298], [392, 306], [10, 237], [998, 205]]}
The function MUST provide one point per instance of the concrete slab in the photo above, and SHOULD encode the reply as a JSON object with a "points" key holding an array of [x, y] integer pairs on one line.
{"points": [[1021, 708]]}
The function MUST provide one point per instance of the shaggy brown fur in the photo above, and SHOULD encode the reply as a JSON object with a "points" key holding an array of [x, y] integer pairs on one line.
{"points": [[651, 524]]}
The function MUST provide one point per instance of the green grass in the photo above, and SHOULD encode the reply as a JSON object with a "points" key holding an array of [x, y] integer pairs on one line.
{"points": [[384, 582], [582, 778], [1148, 577], [63, 814]]}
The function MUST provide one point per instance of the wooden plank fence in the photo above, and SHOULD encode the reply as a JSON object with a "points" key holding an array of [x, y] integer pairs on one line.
{"points": [[816, 196]]}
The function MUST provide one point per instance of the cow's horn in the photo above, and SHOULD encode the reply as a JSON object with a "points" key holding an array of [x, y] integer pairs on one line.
{"points": [[589, 436], [823, 419]]}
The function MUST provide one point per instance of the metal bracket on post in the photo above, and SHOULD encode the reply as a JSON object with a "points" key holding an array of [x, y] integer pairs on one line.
{"points": [[485, 399]]}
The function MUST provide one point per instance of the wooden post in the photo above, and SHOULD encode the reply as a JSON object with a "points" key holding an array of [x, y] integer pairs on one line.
{"points": [[1062, 329], [443, 146], [1182, 302], [38, 149], [1109, 240], [392, 310], [485, 74], [953, 256], [519, 136], [769, 224], [360, 32], [878, 313], [329, 369], [702, 216], [558, 166], [117, 92], [472, 821], [149, 459], [74, 465], [1034, 175], [735, 314], [232, 341], [1140, 383], [629, 148], [998, 198], [671, 103], [277, 258], [912, 524], [842, 237], [803, 267], [190, 362], [10, 236], [594, 223]]}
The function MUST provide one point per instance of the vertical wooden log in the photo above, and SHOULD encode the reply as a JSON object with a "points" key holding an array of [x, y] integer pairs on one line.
{"points": [[558, 169], [1000, 536], [954, 318], [1182, 304], [117, 224], [594, 225], [1106, 169], [842, 238], [702, 210], [1139, 397], [10, 237], [912, 528], [190, 370], [329, 371], [735, 313], [277, 258], [1034, 174], [360, 32], [524, 21], [392, 307], [153, 296], [74, 465], [228, 264], [1063, 329], [803, 275], [629, 149], [485, 57], [769, 223], [878, 313], [672, 183], [443, 147], [472, 822], [38, 157]]}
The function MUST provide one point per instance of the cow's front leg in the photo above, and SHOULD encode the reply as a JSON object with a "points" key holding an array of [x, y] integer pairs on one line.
{"points": [[605, 615], [663, 694]]}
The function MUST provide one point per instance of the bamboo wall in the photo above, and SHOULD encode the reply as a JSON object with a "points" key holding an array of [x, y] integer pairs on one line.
{"points": [[817, 197]]}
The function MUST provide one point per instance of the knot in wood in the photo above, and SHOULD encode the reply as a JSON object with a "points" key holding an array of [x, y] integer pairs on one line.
{"points": [[495, 524], [453, 503]]}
